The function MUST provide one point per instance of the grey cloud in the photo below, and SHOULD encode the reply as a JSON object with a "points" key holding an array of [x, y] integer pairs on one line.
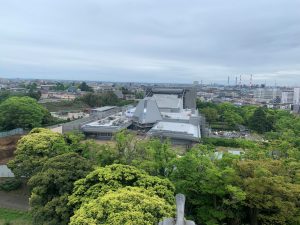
{"points": [[151, 40]]}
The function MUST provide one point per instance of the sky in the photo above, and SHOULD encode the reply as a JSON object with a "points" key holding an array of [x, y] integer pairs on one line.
{"points": [[169, 41]]}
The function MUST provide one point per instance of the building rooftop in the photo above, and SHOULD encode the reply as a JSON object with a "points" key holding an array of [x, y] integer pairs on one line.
{"points": [[168, 101], [173, 129], [168, 90], [184, 114], [114, 120], [147, 112]]}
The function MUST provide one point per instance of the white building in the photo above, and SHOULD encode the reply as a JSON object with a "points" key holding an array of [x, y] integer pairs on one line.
{"points": [[287, 97], [266, 94], [296, 100]]}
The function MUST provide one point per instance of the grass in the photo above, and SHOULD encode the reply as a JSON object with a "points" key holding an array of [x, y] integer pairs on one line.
{"points": [[14, 217], [65, 106]]}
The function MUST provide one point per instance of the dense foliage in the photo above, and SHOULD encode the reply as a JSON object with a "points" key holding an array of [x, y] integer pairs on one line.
{"points": [[103, 99], [238, 190], [259, 119], [126, 206], [272, 191], [84, 87], [51, 187], [151, 155], [114, 177], [10, 184], [34, 149], [30, 92], [21, 112]]}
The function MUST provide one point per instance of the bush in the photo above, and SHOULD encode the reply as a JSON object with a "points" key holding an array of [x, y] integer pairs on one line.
{"points": [[233, 143], [11, 184]]}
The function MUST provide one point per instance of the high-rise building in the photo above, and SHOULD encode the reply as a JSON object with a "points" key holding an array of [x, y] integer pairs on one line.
{"points": [[296, 100], [287, 97], [266, 94]]}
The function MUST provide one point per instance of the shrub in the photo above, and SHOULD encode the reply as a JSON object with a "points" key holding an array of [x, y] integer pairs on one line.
{"points": [[11, 184]]}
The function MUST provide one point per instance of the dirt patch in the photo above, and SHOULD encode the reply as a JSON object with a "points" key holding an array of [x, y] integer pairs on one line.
{"points": [[18, 199], [7, 148]]}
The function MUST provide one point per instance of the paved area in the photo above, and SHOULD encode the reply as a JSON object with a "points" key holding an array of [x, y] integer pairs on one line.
{"points": [[18, 199]]}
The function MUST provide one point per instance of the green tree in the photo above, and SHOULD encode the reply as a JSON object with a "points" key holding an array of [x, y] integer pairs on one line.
{"points": [[211, 114], [139, 95], [51, 186], [34, 149], [155, 157], [272, 195], [34, 94], [102, 99], [74, 139], [126, 206], [232, 119], [260, 121], [21, 112], [151, 155], [213, 196], [84, 87], [114, 177], [59, 87]]}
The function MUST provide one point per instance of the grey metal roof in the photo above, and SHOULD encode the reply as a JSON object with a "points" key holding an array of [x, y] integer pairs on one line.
{"points": [[167, 90], [168, 101], [147, 111], [184, 131]]}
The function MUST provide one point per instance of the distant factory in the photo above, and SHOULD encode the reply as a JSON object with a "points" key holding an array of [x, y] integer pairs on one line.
{"points": [[165, 113]]}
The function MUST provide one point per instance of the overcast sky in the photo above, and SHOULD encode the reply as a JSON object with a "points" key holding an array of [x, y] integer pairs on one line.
{"points": [[151, 40]]}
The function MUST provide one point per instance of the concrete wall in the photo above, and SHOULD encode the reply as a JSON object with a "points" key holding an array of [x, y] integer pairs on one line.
{"points": [[76, 124], [5, 171], [190, 99]]}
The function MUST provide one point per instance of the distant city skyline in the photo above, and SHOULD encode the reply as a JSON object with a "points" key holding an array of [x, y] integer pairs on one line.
{"points": [[169, 41]]}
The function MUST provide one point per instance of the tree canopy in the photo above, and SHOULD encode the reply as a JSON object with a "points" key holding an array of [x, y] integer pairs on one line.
{"points": [[130, 205], [114, 177], [260, 121], [84, 87], [213, 195], [238, 190], [21, 112], [151, 155], [103, 99], [34, 149], [272, 191], [51, 186]]}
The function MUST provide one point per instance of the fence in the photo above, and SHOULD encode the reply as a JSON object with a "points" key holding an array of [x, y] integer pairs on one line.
{"points": [[16, 131]]}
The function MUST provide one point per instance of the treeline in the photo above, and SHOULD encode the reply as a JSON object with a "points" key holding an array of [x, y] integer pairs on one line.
{"points": [[33, 93], [133, 181], [24, 112], [103, 99], [259, 119]]}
